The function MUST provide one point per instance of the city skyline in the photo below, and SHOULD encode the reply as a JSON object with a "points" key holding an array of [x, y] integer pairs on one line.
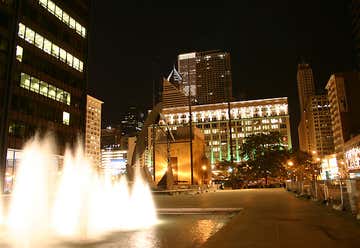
{"points": [[264, 40]]}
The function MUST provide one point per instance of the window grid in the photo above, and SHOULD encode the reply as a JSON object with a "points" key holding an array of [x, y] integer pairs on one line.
{"points": [[63, 16], [47, 46], [43, 88]]}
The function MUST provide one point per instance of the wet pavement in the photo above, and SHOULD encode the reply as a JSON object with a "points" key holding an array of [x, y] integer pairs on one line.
{"points": [[272, 218]]}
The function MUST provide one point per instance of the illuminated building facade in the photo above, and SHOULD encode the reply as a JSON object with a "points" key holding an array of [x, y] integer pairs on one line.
{"points": [[352, 156], [329, 168], [344, 101], [306, 89], [43, 71], [319, 126], [207, 75], [179, 157], [93, 130], [113, 160], [247, 118]]}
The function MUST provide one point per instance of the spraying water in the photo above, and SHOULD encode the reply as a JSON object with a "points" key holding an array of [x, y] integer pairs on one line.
{"points": [[76, 204]]}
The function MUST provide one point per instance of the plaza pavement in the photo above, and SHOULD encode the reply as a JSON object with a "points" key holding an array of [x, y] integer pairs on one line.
{"points": [[272, 218]]}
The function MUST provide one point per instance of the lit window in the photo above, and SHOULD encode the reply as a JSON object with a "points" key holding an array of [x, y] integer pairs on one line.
{"points": [[19, 53], [25, 81], [52, 92], [66, 118], [62, 55], [76, 63], [69, 59], [81, 66], [43, 2], [50, 48], [34, 85], [51, 6], [55, 50], [43, 88], [58, 12], [78, 28], [21, 32], [39, 41], [72, 23], [47, 46], [83, 31], [60, 96], [29, 35], [66, 18]]}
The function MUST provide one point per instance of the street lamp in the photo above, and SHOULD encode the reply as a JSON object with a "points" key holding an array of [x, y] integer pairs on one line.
{"points": [[290, 163], [203, 174]]}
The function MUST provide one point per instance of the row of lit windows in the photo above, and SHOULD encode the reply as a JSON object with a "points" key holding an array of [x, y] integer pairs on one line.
{"points": [[47, 46], [251, 112], [43, 88], [63, 16]]}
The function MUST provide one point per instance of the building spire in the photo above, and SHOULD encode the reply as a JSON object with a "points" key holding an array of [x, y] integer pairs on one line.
{"points": [[174, 76]]}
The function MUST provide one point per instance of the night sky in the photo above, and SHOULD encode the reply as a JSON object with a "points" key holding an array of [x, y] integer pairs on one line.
{"points": [[133, 44]]}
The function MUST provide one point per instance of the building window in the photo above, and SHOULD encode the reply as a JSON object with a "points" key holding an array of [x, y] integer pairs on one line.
{"points": [[66, 118], [19, 53], [25, 81], [63, 16], [39, 41], [43, 88], [47, 46]]}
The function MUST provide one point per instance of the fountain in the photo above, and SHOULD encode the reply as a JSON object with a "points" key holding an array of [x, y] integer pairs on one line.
{"points": [[75, 204]]}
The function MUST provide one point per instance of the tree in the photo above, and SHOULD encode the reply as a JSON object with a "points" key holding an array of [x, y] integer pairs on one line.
{"points": [[264, 155], [302, 166]]}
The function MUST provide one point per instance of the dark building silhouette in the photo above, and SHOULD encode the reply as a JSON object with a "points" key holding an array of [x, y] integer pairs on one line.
{"points": [[43, 71]]}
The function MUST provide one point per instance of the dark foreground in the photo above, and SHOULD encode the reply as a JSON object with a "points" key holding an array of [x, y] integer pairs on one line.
{"points": [[272, 218]]}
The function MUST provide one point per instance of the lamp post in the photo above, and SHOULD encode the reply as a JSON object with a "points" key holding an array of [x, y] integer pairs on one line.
{"points": [[203, 173]]}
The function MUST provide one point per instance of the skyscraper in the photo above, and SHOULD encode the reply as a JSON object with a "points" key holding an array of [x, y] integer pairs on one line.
{"points": [[343, 89], [207, 75], [306, 89], [93, 130], [305, 82], [43, 65], [319, 126]]}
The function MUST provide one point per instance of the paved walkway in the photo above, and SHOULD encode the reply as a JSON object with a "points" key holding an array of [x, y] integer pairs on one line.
{"points": [[272, 218]]}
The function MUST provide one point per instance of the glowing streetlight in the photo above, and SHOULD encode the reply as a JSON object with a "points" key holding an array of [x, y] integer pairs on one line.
{"points": [[318, 159], [313, 152], [290, 163], [203, 167]]}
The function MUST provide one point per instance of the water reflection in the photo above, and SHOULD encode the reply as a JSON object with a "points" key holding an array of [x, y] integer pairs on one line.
{"points": [[205, 228]]}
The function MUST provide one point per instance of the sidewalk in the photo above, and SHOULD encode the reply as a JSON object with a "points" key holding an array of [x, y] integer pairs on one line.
{"points": [[273, 218]]}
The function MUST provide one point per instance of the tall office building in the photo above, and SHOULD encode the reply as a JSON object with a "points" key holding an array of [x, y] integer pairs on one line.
{"points": [[306, 89], [319, 126], [43, 65], [305, 82], [207, 75], [343, 89], [93, 130]]}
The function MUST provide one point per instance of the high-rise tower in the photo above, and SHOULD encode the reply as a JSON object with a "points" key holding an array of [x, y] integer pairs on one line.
{"points": [[43, 71], [207, 75], [305, 82]]}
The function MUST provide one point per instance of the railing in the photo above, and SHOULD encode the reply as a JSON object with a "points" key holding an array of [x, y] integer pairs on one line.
{"points": [[340, 194]]}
